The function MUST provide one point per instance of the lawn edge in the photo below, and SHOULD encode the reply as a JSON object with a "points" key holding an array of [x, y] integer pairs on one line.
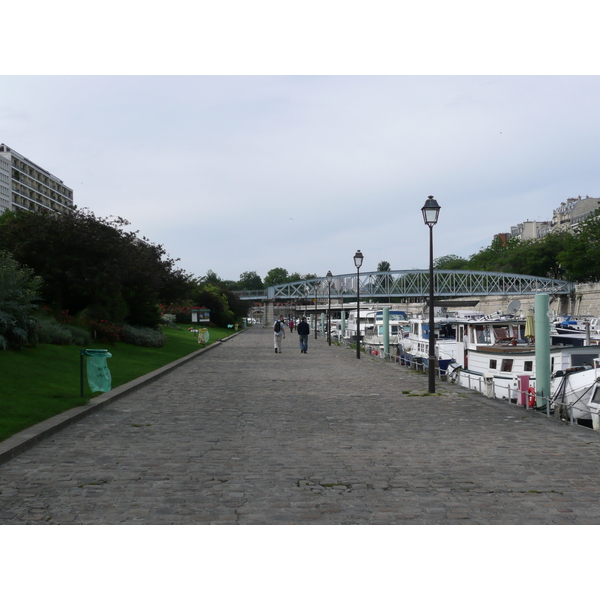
{"points": [[22, 441]]}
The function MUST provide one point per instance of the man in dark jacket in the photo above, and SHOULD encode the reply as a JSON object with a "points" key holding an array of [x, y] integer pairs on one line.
{"points": [[303, 331]]}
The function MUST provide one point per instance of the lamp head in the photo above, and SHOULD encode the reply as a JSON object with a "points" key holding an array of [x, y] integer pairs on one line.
{"points": [[431, 211], [358, 259]]}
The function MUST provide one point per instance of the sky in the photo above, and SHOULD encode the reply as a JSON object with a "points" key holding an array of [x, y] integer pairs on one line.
{"points": [[245, 167], [249, 173]]}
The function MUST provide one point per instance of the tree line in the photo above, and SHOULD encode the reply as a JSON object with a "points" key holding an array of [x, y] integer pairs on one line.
{"points": [[570, 255], [90, 267]]}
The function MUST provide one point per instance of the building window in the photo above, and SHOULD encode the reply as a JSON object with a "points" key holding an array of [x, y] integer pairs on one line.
{"points": [[493, 363], [528, 365], [507, 364]]}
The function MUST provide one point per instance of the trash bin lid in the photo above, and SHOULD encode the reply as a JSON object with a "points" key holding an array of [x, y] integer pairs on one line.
{"points": [[96, 352]]}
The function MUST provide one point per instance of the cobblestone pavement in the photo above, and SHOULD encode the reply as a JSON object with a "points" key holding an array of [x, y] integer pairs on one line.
{"points": [[243, 435]]}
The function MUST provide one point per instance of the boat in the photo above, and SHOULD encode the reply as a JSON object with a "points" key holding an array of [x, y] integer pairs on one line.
{"points": [[367, 319], [497, 359], [398, 324], [413, 350]]}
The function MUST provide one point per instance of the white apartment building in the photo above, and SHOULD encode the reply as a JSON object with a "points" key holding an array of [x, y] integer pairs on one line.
{"points": [[5, 185], [32, 188]]}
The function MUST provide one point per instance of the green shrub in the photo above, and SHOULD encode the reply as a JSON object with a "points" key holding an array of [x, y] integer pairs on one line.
{"points": [[143, 336], [51, 331]]}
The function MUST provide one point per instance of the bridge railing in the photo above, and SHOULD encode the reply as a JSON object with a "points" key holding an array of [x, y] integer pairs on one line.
{"points": [[413, 283]]}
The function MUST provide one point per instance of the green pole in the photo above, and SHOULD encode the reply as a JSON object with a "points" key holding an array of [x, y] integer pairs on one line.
{"points": [[542, 349], [386, 332]]}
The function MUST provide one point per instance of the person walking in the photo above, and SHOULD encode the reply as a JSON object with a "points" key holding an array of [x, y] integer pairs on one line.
{"points": [[291, 326], [303, 331], [279, 329]]}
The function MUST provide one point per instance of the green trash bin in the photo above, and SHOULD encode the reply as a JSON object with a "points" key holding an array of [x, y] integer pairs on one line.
{"points": [[99, 377]]}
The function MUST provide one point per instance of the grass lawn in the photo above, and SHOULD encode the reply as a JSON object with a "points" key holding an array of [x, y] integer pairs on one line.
{"points": [[38, 383]]}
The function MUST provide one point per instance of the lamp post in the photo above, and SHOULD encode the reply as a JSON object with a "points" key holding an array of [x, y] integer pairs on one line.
{"points": [[329, 280], [431, 211], [358, 260], [305, 297], [317, 284]]}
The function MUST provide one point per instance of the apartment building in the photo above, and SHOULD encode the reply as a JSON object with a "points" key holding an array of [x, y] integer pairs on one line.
{"points": [[5, 185], [529, 230], [566, 217], [31, 188]]}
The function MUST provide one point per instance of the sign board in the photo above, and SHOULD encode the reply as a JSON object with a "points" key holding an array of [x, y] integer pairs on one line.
{"points": [[200, 315]]}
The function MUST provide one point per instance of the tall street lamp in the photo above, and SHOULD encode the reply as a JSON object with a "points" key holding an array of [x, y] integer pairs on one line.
{"points": [[329, 280], [358, 261], [431, 211], [317, 284]]}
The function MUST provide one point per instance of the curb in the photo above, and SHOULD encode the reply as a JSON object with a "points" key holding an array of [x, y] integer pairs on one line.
{"points": [[33, 435]]}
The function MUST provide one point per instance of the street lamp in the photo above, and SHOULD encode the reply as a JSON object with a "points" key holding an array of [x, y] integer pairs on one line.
{"points": [[358, 261], [317, 284], [431, 211], [329, 280]]}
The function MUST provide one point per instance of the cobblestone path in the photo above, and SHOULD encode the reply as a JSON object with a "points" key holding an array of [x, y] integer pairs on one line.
{"points": [[243, 435]]}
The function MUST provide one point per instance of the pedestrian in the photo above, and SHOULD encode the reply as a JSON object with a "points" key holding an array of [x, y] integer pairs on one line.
{"points": [[279, 329], [291, 325], [303, 331]]}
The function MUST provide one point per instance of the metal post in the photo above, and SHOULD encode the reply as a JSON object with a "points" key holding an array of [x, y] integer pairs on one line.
{"points": [[329, 312], [431, 317], [357, 312]]}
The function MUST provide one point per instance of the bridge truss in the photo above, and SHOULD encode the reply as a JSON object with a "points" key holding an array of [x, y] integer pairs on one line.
{"points": [[415, 284]]}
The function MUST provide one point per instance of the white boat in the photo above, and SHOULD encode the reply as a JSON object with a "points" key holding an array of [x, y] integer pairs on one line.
{"points": [[398, 324], [367, 319], [414, 348], [497, 359]]}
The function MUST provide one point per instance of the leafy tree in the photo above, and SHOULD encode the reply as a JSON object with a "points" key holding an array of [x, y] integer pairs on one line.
{"points": [[581, 252], [384, 266], [276, 276], [450, 262], [250, 280], [92, 264], [18, 291]]}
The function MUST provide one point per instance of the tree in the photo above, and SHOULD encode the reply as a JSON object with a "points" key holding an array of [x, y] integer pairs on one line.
{"points": [[276, 276], [384, 266], [18, 291], [580, 255], [250, 280], [93, 264], [450, 262]]}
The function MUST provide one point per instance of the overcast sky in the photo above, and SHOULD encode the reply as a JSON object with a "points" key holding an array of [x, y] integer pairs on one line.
{"points": [[238, 173]]}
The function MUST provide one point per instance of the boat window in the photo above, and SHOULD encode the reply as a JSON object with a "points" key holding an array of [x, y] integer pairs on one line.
{"points": [[507, 364], [482, 334], [493, 363], [528, 365], [596, 396]]}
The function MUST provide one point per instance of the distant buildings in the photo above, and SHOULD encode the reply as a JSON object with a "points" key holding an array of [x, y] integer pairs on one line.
{"points": [[566, 217], [25, 186]]}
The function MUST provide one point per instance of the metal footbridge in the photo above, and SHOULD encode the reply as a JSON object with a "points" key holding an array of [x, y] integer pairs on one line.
{"points": [[412, 284]]}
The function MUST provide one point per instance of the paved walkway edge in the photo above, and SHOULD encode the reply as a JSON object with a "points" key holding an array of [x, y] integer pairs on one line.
{"points": [[33, 435]]}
